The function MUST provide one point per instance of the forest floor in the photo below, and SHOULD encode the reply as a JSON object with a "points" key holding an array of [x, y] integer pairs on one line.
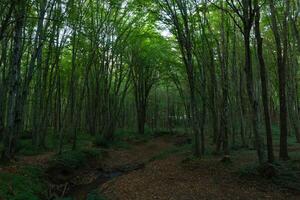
{"points": [[162, 168], [174, 175]]}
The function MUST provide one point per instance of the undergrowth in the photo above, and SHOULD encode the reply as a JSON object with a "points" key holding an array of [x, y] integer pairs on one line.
{"points": [[283, 174], [76, 159], [26, 183]]}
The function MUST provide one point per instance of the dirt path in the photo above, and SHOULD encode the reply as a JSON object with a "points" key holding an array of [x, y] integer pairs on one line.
{"points": [[174, 179], [138, 153]]}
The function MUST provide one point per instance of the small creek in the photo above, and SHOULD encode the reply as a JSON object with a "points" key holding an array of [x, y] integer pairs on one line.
{"points": [[80, 191]]}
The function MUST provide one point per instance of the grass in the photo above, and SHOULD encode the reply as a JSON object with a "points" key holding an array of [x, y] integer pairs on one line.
{"points": [[26, 183]]}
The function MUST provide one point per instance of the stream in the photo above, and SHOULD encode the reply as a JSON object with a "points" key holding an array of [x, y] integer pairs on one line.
{"points": [[81, 192], [78, 191]]}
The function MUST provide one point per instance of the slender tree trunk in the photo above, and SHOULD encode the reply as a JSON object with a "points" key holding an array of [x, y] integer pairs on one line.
{"points": [[10, 140], [224, 77], [250, 91], [281, 46], [263, 77]]}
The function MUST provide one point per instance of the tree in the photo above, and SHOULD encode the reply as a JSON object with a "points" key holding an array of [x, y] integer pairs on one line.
{"points": [[281, 41], [263, 78], [245, 13], [177, 14], [145, 70], [13, 114]]}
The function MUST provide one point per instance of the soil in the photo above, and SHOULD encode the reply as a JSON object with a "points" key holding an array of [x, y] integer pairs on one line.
{"points": [[178, 178]]}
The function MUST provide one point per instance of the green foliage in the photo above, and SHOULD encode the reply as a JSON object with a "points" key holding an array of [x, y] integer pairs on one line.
{"points": [[288, 175], [26, 183], [26, 148], [118, 143], [125, 134], [162, 132], [122, 137], [76, 159], [282, 174], [131, 135], [70, 159], [94, 195], [101, 141], [248, 171]]}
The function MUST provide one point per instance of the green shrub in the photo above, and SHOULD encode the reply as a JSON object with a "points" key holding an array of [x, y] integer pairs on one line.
{"points": [[101, 141], [26, 148], [282, 174], [162, 132], [94, 195], [27, 183], [125, 134], [288, 176], [249, 171], [75, 159], [148, 130], [119, 143]]}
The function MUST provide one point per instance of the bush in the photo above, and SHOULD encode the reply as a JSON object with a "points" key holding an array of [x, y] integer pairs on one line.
{"points": [[162, 132], [75, 159], [70, 159], [27, 183], [26, 148], [101, 141], [119, 143]]}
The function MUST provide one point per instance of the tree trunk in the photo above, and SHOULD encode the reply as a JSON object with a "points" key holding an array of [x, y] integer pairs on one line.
{"points": [[281, 65], [263, 77], [10, 139], [250, 91]]}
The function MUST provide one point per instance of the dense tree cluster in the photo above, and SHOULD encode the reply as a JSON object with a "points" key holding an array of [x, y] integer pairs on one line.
{"points": [[225, 70]]}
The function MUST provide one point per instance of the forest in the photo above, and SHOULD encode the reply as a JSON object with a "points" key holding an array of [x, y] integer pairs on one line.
{"points": [[149, 99]]}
